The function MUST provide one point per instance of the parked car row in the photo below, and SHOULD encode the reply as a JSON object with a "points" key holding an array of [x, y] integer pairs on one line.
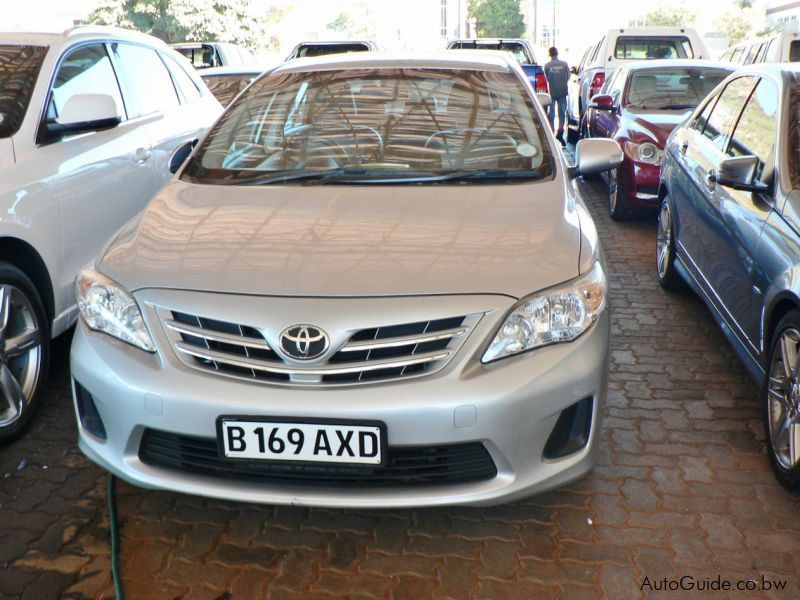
{"points": [[245, 336], [714, 151], [639, 106], [618, 47], [283, 321], [782, 47]]}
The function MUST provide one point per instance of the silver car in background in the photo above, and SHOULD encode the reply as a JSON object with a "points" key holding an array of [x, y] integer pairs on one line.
{"points": [[373, 284]]}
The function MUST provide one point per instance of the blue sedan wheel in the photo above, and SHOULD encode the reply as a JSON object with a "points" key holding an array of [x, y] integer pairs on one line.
{"points": [[783, 402], [668, 278]]}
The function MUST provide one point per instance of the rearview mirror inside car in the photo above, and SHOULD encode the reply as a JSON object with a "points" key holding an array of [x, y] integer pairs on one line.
{"points": [[739, 173], [595, 156]]}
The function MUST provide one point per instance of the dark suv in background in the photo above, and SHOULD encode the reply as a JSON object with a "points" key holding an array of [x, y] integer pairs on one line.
{"points": [[729, 225]]}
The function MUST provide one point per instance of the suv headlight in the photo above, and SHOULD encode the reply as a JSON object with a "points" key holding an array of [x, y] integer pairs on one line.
{"points": [[108, 307], [646, 152], [559, 314]]}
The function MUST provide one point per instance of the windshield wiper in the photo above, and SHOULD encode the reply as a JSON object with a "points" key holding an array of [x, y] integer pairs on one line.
{"points": [[373, 176], [493, 175], [676, 107], [295, 175]]}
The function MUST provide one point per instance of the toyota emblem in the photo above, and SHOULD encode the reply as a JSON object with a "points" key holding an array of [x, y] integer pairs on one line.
{"points": [[304, 342]]}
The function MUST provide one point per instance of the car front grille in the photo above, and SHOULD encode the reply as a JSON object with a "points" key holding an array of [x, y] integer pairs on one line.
{"points": [[406, 465], [372, 354]]}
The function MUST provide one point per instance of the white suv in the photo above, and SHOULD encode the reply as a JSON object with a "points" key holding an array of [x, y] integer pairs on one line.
{"points": [[91, 121], [782, 47], [618, 47]]}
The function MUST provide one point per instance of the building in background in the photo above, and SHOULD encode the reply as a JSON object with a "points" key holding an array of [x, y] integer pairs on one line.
{"points": [[783, 14]]}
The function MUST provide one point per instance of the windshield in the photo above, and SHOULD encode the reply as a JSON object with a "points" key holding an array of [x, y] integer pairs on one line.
{"points": [[325, 49], [377, 126], [226, 87], [518, 50], [19, 68], [201, 57], [672, 89], [646, 47]]}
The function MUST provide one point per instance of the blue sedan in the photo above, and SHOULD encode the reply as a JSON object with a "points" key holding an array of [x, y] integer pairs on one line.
{"points": [[729, 226]]}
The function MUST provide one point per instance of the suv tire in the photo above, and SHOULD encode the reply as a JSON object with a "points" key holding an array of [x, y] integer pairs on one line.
{"points": [[24, 351]]}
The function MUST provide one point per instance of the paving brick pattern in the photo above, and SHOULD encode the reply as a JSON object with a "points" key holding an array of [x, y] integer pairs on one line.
{"points": [[682, 487]]}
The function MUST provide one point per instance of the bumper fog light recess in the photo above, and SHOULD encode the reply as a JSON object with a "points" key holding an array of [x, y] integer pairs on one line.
{"points": [[572, 430], [87, 412]]}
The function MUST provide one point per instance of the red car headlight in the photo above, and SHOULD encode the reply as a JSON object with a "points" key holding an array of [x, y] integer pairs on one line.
{"points": [[645, 152]]}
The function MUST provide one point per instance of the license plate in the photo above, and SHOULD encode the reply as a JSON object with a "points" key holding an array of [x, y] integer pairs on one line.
{"points": [[319, 442]]}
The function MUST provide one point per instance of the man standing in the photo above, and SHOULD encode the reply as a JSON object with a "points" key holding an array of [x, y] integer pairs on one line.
{"points": [[557, 73]]}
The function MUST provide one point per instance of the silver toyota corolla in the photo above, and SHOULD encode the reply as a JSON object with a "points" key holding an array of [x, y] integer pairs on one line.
{"points": [[373, 284]]}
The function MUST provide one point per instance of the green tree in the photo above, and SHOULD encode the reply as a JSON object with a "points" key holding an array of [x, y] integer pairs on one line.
{"points": [[670, 16], [340, 24], [234, 21], [735, 26], [497, 18]]}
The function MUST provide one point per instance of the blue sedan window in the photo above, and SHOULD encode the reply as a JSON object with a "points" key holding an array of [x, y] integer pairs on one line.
{"points": [[755, 132], [727, 109]]}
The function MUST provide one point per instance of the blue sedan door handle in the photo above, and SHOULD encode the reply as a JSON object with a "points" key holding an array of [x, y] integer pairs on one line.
{"points": [[684, 147], [711, 179]]}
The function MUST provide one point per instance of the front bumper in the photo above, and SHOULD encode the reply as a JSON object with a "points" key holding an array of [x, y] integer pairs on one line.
{"points": [[516, 403], [639, 183]]}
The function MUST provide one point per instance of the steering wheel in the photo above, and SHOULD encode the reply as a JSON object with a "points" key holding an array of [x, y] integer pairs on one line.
{"points": [[310, 152], [374, 131]]}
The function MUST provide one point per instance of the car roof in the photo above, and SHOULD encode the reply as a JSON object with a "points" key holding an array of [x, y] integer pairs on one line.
{"points": [[489, 41], [89, 32], [472, 60], [232, 70], [651, 31], [197, 44], [678, 63], [775, 69], [333, 43]]}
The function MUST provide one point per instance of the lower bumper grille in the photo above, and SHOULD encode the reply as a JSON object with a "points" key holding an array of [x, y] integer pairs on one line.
{"points": [[407, 465]]}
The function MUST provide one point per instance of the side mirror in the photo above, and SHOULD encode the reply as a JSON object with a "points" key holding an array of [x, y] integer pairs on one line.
{"points": [[544, 99], [180, 155], [86, 112], [739, 173], [595, 155], [602, 102]]}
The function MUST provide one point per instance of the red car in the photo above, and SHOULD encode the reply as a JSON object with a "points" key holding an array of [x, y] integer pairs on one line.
{"points": [[639, 106]]}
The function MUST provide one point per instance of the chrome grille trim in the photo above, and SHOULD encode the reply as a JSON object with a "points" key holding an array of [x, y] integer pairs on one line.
{"points": [[356, 367], [406, 340], [373, 353], [218, 336]]}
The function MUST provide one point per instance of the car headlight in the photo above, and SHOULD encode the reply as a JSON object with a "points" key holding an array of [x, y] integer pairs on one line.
{"points": [[646, 152], [108, 307], [559, 314]]}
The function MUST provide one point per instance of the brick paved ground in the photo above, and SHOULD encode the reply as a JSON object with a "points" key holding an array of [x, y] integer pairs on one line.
{"points": [[682, 487]]}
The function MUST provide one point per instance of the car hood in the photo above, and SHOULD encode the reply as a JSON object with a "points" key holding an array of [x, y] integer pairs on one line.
{"points": [[655, 124], [351, 240]]}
